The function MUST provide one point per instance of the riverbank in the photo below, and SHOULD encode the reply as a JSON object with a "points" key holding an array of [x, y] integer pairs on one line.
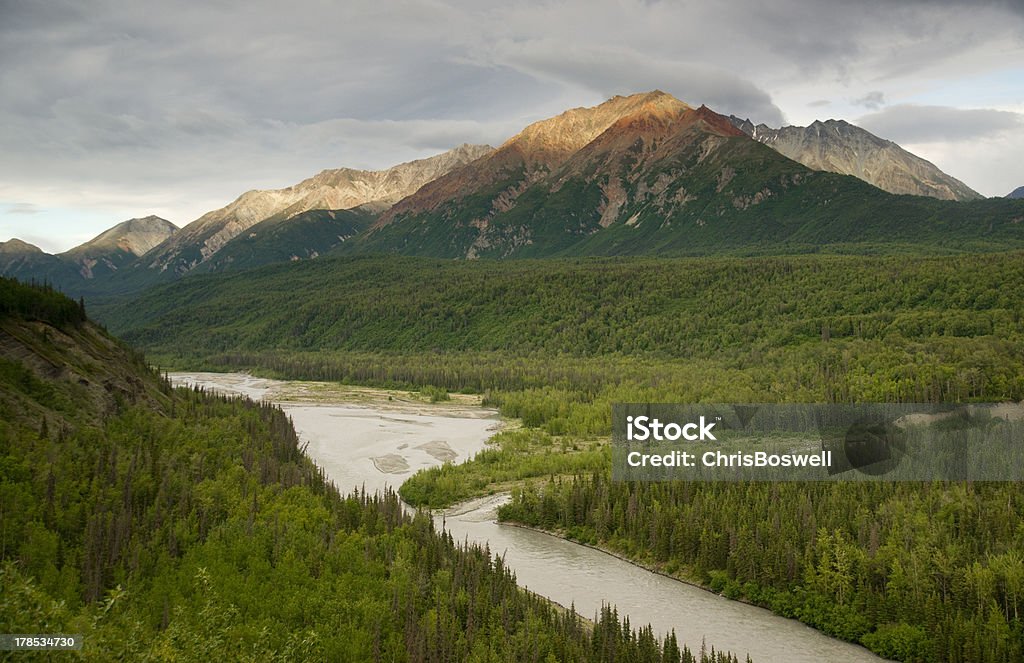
{"points": [[587, 578], [652, 568], [310, 392]]}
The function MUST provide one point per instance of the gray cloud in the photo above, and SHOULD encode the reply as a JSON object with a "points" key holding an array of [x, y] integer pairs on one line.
{"points": [[608, 71], [108, 104], [872, 100], [907, 123], [26, 209]]}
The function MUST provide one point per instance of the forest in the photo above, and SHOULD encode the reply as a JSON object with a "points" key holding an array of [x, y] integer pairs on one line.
{"points": [[721, 308], [173, 524], [914, 572]]}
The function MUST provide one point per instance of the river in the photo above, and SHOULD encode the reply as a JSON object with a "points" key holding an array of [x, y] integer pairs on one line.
{"points": [[373, 438]]}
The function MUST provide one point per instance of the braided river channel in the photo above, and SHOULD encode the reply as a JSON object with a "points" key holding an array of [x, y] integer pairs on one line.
{"points": [[372, 438]]}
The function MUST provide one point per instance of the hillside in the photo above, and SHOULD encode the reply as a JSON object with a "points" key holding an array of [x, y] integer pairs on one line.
{"points": [[171, 524], [649, 175], [28, 262], [498, 178], [304, 236], [87, 267], [837, 146], [118, 246], [556, 342]]}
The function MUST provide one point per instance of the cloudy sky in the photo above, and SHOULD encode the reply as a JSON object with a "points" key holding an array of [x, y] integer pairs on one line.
{"points": [[112, 109]]}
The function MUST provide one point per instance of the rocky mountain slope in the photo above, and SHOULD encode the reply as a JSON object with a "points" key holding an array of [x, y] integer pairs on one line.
{"points": [[642, 174], [492, 184], [1016, 193], [119, 246], [837, 146], [73, 271], [342, 188]]}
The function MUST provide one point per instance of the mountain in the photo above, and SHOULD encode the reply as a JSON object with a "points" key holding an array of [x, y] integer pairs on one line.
{"points": [[1016, 193], [16, 247], [645, 174], [28, 262], [649, 174], [342, 188], [468, 197], [837, 146], [119, 246]]}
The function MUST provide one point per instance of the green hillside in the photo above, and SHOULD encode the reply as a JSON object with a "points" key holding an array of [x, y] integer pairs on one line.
{"points": [[555, 342], [169, 524], [281, 239], [36, 266]]}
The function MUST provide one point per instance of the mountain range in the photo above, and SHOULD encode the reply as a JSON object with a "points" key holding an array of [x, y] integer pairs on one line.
{"points": [[639, 174], [1016, 193], [343, 188], [649, 174]]}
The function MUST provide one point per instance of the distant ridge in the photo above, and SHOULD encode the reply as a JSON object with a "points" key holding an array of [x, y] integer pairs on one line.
{"points": [[644, 174], [1016, 193], [16, 247], [840, 147], [342, 188]]}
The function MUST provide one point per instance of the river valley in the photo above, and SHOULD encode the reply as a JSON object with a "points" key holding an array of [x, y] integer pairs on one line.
{"points": [[374, 438]]}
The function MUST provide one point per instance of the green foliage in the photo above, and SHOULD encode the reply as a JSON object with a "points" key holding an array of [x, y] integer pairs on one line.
{"points": [[940, 315], [914, 572], [186, 526], [435, 394], [515, 455], [39, 303]]}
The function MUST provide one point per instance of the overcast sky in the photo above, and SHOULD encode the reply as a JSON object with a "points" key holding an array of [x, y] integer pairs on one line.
{"points": [[114, 109]]}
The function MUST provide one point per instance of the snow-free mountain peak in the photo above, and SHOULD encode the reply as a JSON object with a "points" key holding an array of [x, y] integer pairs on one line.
{"points": [[840, 147], [16, 246], [134, 236]]}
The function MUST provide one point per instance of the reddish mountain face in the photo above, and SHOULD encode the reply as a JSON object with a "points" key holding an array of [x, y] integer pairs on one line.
{"points": [[534, 153], [563, 178]]}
